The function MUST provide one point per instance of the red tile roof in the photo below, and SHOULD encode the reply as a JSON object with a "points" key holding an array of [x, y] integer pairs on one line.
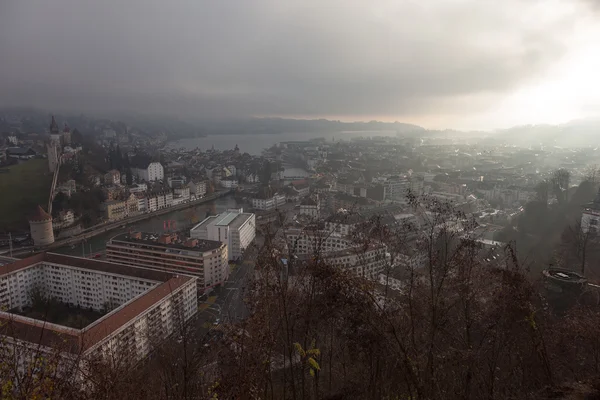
{"points": [[77, 341], [39, 215]]}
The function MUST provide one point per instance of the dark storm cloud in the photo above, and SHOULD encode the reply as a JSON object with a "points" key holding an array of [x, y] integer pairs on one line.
{"points": [[308, 58]]}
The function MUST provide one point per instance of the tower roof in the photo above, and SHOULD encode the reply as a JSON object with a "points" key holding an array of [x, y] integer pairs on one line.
{"points": [[66, 128], [39, 215], [53, 126]]}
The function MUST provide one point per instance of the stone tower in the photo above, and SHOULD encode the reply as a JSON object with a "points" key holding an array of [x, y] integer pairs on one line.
{"points": [[40, 224], [54, 146]]}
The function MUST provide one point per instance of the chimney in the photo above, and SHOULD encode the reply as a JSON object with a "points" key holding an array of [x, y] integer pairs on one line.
{"points": [[191, 243], [164, 239]]}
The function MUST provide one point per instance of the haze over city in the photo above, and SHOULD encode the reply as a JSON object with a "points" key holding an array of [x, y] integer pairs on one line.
{"points": [[299, 199], [463, 64]]}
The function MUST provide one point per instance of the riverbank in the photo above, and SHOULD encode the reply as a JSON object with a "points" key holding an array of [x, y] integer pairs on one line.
{"points": [[108, 227]]}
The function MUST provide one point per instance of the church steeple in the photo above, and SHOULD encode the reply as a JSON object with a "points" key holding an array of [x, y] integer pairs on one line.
{"points": [[53, 126]]}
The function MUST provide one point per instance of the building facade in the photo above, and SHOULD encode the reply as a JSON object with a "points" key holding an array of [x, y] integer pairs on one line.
{"points": [[268, 203], [234, 228], [207, 260], [310, 208], [197, 188], [338, 250], [136, 307], [153, 171]]}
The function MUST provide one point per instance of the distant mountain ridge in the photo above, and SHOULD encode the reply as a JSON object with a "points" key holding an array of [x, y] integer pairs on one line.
{"points": [[583, 132]]}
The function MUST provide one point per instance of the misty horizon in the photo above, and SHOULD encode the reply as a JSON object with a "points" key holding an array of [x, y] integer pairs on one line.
{"points": [[462, 65]]}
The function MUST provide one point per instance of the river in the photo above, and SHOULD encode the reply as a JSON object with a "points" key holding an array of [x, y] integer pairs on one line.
{"points": [[254, 144], [183, 219]]}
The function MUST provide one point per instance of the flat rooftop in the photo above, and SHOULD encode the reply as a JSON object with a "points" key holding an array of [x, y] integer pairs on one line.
{"points": [[77, 341], [175, 242], [232, 219]]}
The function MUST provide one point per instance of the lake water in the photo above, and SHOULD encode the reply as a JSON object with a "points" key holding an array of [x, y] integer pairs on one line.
{"points": [[254, 144]]}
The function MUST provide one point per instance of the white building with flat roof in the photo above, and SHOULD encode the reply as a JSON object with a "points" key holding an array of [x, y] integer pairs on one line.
{"points": [[234, 227]]}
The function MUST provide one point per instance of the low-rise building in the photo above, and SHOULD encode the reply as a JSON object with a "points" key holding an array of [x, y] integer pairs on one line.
{"points": [[230, 182], [197, 188], [138, 188], [207, 260], [112, 177], [266, 199], [234, 227], [64, 219], [310, 207], [115, 209], [302, 187], [21, 153], [181, 193], [176, 181], [338, 250], [119, 209]]}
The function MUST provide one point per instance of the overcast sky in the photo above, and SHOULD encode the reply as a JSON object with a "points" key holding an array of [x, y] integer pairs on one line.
{"points": [[449, 63]]}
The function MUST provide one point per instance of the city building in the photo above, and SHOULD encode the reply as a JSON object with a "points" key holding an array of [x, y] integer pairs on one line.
{"points": [[159, 199], [112, 177], [266, 199], [197, 188], [148, 171], [107, 310], [64, 219], [176, 181], [181, 194], [590, 217], [230, 182], [235, 228], [338, 250], [310, 207], [118, 209], [21, 153], [138, 188], [302, 187], [342, 222], [115, 209], [205, 259], [40, 225]]}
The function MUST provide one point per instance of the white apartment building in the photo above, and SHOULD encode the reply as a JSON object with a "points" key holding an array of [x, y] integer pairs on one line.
{"points": [[338, 250], [136, 307], [230, 182], [310, 208], [342, 223], [181, 194], [268, 203], [138, 188], [234, 228], [157, 201], [150, 172], [197, 188], [207, 260]]}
